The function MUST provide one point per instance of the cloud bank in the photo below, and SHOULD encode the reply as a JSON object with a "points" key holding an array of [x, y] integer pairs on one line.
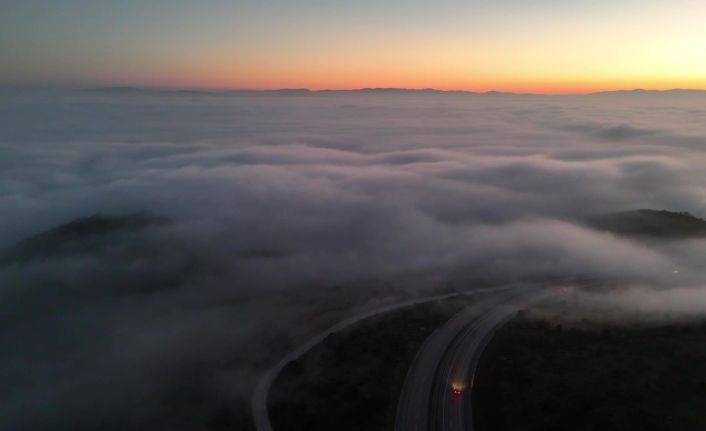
{"points": [[288, 207]]}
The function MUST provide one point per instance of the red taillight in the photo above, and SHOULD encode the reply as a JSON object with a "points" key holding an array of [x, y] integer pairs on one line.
{"points": [[457, 393]]}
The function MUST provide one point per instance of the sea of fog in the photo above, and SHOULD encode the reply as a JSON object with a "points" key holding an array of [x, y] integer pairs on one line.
{"points": [[287, 212]]}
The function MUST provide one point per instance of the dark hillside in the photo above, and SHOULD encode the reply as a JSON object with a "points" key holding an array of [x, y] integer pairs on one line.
{"points": [[652, 223]]}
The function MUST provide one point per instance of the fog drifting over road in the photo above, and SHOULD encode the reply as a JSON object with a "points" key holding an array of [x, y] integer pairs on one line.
{"points": [[289, 209]]}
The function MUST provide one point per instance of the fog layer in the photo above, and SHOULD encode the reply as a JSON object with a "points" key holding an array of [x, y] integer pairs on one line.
{"points": [[287, 212]]}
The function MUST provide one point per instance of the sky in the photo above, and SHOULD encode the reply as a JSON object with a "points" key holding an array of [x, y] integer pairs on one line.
{"points": [[547, 46]]}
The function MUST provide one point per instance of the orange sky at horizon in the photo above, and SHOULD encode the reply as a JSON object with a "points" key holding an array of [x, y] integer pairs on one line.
{"points": [[451, 82], [541, 46], [552, 88]]}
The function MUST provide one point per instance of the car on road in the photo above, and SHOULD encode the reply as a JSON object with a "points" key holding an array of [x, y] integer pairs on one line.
{"points": [[456, 390]]}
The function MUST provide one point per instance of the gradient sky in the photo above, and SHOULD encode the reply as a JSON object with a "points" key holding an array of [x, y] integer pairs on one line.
{"points": [[519, 45]]}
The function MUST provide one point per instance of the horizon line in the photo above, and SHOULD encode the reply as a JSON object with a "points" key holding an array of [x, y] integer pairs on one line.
{"points": [[149, 88]]}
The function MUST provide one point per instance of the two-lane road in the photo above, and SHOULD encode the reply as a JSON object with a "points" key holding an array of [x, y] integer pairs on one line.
{"points": [[448, 360], [448, 357], [261, 394]]}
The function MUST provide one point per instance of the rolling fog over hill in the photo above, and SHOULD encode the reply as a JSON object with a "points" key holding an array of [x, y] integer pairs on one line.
{"points": [[280, 214]]}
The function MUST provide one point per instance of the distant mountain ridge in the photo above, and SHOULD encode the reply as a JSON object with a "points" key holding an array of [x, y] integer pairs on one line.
{"points": [[643, 92], [128, 90]]}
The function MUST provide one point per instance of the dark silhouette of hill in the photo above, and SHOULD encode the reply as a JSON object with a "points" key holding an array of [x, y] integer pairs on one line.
{"points": [[540, 376], [80, 236], [652, 223]]}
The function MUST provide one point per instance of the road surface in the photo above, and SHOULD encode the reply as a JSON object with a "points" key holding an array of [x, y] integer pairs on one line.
{"points": [[448, 359], [448, 356]]}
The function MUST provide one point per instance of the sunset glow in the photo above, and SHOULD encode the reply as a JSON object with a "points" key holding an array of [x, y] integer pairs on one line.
{"points": [[513, 45]]}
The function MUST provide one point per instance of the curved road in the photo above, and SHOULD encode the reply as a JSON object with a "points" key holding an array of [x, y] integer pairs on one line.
{"points": [[448, 359], [260, 396]]}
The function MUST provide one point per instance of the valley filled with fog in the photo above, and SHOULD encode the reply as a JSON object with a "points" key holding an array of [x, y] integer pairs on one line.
{"points": [[216, 231]]}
